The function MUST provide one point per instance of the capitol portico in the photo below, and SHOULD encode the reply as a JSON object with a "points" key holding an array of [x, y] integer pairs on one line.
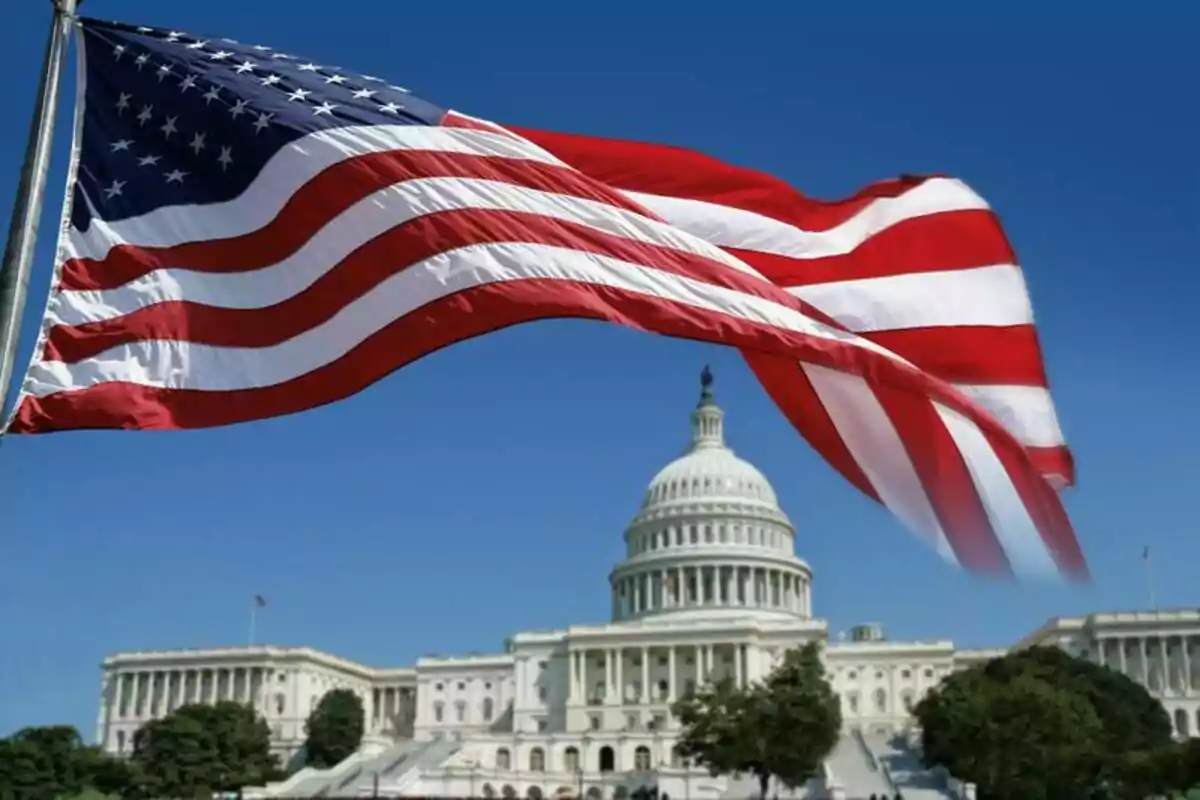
{"points": [[710, 587]]}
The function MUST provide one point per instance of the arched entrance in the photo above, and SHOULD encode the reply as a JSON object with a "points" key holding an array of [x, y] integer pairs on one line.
{"points": [[608, 761]]}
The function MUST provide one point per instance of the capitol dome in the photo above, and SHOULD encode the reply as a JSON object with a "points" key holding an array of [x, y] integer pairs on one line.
{"points": [[710, 538]]}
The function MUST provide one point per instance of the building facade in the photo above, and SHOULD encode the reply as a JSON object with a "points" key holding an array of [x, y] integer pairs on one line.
{"points": [[710, 587]]}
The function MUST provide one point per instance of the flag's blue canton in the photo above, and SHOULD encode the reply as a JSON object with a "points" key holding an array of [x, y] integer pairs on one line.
{"points": [[175, 119]]}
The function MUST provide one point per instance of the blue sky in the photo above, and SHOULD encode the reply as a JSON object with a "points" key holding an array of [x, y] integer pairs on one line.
{"points": [[485, 489]]}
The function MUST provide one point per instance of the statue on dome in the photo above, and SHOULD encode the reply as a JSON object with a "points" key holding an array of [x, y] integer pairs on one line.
{"points": [[706, 382]]}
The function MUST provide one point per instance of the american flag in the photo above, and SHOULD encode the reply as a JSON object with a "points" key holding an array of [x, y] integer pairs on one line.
{"points": [[251, 234]]}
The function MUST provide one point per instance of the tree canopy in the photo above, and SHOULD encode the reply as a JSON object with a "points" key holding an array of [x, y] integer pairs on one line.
{"points": [[1041, 724], [784, 726], [52, 761], [334, 728], [199, 749]]}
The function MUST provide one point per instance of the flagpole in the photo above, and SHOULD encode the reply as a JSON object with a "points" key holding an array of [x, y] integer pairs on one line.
{"points": [[253, 619], [1150, 578], [31, 191]]}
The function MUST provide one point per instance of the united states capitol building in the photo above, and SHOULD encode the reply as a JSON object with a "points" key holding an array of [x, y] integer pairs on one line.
{"points": [[710, 587]]}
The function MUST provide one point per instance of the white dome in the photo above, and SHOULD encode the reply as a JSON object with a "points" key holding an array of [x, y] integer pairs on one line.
{"points": [[709, 474], [711, 521]]}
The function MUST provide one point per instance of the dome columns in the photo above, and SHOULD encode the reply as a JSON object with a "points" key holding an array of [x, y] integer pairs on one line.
{"points": [[718, 586]]}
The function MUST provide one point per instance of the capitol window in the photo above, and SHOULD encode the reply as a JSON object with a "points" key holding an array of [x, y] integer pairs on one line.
{"points": [[693, 534], [503, 758], [880, 700], [852, 702], [460, 710], [280, 703], [438, 687], [438, 711], [906, 674], [595, 722], [487, 709], [537, 760], [571, 759], [641, 758]]}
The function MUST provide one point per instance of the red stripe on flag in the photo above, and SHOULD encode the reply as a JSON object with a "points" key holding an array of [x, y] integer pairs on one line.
{"points": [[1047, 513], [441, 323], [946, 479], [678, 172], [947, 240], [366, 268], [794, 395], [980, 354], [321, 199]]}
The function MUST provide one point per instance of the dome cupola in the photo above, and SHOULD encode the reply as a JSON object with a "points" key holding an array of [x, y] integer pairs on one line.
{"points": [[710, 538]]}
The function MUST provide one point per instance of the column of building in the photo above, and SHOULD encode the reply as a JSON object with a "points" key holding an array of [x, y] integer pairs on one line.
{"points": [[1156, 668], [705, 585], [615, 686], [155, 693]]}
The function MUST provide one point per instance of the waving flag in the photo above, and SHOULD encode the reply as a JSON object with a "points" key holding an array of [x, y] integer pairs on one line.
{"points": [[252, 234]]}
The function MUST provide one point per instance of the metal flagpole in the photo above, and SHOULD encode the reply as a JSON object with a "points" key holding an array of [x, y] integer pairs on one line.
{"points": [[1146, 558], [253, 619], [31, 190]]}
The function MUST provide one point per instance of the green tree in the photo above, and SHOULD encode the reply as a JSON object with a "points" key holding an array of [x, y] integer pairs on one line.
{"points": [[1022, 738], [334, 728], [52, 761], [24, 772], [199, 749], [103, 773], [783, 727], [1039, 723]]}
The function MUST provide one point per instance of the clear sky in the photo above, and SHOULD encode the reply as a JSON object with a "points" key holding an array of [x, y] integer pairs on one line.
{"points": [[484, 490]]}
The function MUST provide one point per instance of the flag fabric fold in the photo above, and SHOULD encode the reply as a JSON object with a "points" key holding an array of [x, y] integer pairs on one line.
{"points": [[251, 235]]}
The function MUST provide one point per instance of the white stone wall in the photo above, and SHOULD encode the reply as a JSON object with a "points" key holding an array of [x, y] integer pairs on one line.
{"points": [[282, 684], [879, 683], [463, 695]]}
